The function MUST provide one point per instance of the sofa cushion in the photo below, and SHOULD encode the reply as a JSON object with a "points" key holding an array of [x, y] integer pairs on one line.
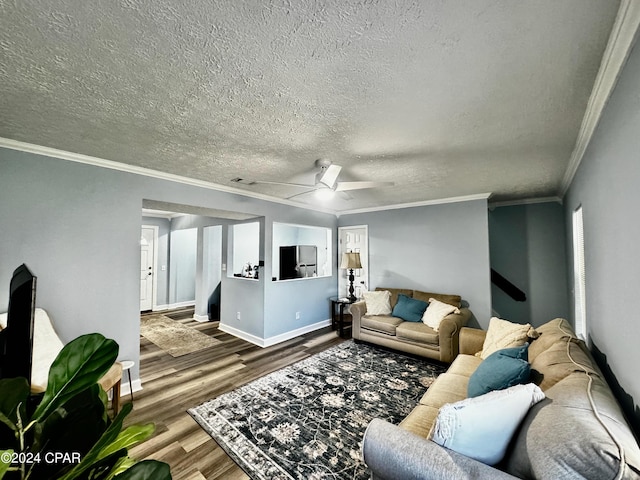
{"points": [[445, 298], [395, 292], [579, 446], [465, 365], [482, 427], [548, 334], [420, 420], [436, 312], [447, 388], [555, 363], [502, 369], [418, 332], [378, 303], [505, 334], [409, 309], [381, 323]]}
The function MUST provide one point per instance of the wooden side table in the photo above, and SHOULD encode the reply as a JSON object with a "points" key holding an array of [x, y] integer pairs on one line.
{"points": [[338, 318]]}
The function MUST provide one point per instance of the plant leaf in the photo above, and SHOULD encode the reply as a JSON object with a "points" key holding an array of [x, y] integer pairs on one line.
{"points": [[146, 470], [4, 466], [102, 469], [123, 464], [13, 393], [129, 437], [80, 364], [107, 438], [73, 427]]}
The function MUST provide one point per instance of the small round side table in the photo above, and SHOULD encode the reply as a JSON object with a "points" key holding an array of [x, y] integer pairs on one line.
{"points": [[126, 366], [338, 319]]}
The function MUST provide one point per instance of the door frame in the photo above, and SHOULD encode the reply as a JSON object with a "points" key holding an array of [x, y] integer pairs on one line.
{"points": [[342, 249], [154, 277]]}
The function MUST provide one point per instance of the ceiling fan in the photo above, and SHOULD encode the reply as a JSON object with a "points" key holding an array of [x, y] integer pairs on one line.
{"points": [[325, 179]]}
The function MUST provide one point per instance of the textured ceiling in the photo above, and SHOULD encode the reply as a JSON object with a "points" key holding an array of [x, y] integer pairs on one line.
{"points": [[445, 98]]}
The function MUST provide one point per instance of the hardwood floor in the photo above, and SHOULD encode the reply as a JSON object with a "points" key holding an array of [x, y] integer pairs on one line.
{"points": [[173, 385]]}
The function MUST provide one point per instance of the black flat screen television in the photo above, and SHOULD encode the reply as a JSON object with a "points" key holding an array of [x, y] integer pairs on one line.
{"points": [[16, 342]]}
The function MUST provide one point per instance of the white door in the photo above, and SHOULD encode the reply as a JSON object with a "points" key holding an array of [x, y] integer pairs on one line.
{"points": [[147, 265], [354, 239]]}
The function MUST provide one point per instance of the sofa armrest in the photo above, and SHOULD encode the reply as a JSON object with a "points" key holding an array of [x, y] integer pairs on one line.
{"points": [[449, 332], [392, 453], [471, 340], [357, 310]]}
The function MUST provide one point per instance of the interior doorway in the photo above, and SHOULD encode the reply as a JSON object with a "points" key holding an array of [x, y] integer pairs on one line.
{"points": [[354, 239], [148, 261]]}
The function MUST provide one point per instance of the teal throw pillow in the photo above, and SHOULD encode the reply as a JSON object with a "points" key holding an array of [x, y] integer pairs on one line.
{"points": [[502, 369], [409, 309]]}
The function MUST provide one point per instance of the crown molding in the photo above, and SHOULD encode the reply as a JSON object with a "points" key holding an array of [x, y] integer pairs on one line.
{"points": [[525, 201], [147, 172], [621, 40], [440, 201]]}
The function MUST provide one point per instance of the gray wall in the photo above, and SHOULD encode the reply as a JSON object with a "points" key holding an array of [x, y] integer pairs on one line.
{"points": [[438, 248], [77, 226], [607, 186], [528, 248], [183, 253]]}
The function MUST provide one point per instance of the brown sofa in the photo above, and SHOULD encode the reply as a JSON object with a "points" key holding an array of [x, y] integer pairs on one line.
{"points": [[411, 337], [578, 431]]}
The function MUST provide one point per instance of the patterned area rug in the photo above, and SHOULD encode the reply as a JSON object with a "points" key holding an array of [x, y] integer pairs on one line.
{"points": [[173, 337], [306, 421]]}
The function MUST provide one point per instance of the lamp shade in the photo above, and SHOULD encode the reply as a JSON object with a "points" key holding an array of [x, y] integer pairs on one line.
{"points": [[351, 260]]}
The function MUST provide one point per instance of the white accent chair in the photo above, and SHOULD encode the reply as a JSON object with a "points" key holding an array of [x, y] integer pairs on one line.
{"points": [[47, 345]]}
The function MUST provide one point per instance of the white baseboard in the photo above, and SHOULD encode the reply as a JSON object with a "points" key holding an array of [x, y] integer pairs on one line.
{"points": [[200, 318], [267, 342], [171, 306], [124, 386], [240, 334], [283, 337]]}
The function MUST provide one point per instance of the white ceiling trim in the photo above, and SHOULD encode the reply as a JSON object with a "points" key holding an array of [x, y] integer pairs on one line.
{"points": [[440, 201], [526, 201], [161, 214], [147, 172], [123, 167], [621, 40]]}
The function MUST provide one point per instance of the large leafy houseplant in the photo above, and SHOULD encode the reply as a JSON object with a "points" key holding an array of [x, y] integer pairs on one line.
{"points": [[66, 434]]}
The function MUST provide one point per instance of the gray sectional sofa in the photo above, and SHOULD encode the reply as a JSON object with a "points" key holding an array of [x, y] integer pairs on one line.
{"points": [[578, 431], [411, 337]]}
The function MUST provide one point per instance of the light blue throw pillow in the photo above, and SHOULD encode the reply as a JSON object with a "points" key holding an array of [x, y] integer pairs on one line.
{"points": [[482, 427], [502, 369], [409, 309]]}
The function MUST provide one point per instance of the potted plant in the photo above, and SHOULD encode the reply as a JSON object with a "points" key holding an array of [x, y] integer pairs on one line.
{"points": [[66, 433]]}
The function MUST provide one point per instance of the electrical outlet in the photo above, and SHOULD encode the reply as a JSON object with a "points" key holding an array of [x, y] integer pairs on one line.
{"points": [[297, 315], [237, 315]]}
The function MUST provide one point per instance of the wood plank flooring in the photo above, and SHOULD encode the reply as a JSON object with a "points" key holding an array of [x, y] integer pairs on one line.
{"points": [[173, 385]]}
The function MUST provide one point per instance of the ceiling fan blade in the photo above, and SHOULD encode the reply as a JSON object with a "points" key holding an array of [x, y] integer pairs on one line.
{"points": [[300, 185], [342, 186], [301, 193], [329, 175]]}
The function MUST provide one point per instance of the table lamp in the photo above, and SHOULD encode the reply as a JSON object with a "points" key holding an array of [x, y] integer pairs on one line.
{"points": [[351, 260]]}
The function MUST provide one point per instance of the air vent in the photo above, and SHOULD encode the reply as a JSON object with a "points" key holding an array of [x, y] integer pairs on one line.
{"points": [[243, 181]]}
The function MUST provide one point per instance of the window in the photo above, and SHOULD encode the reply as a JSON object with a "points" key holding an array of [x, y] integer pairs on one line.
{"points": [[579, 284], [301, 251]]}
